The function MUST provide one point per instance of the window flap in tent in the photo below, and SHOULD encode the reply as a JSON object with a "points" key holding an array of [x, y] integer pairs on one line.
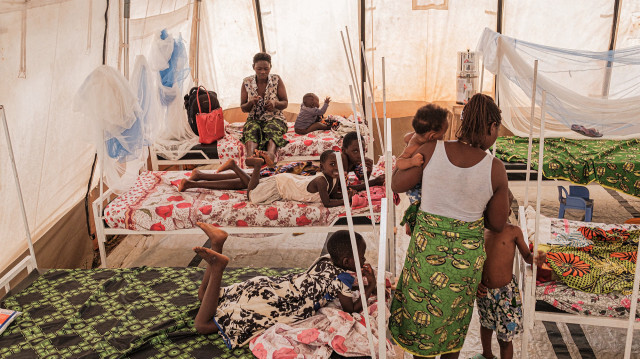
{"points": [[597, 94]]}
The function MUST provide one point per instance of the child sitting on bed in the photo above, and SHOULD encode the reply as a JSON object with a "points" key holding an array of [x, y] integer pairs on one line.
{"points": [[310, 117], [499, 301], [323, 187], [241, 311], [430, 123]]}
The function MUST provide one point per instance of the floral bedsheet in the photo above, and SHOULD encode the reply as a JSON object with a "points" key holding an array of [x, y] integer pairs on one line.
{"points": [[329, 330], [312, 144], [154, 203], [571, 300]]}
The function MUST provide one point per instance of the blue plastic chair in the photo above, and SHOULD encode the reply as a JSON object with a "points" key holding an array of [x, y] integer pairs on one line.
{"points": [[576, 198]]}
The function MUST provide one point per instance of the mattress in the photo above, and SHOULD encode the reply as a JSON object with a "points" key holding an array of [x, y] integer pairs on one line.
{"points": [[130, 312], [562, 232], [154, 203], [309, 145], [613, 164]]}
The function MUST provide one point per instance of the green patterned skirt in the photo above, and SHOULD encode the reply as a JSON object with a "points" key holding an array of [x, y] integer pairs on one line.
{"points": [[268, 128], [433, 302]]}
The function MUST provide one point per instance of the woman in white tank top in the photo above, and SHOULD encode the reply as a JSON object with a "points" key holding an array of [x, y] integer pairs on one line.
{"points": [[464, 190]]}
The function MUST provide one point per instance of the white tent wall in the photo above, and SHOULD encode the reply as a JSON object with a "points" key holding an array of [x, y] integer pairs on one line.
{"points": [[628, 33], [573, 24], [303, 37], [52, 156], [420, 46], [228, 41]]}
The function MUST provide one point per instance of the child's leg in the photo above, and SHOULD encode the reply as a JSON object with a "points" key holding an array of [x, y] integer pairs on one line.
{"points": [[236, 184], [217, 237], [197, 175], [485, 337], [204, 321], [253, 181], [317, 126], [506, 350]]}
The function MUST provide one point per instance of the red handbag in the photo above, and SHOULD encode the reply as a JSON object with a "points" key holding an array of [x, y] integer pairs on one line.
{"points": [[210, 125]]}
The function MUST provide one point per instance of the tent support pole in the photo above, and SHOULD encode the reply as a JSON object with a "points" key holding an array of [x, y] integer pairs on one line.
{"points": [[533, 112], [373, 101], [632, 312], [354, 247], [198, 5], [352, 70], [391, 215], [353, 63], [258, 15], [25, 221], [384, 94], [612, 45], [362, 160], [380, 277], [361, 33], [127, 15]]}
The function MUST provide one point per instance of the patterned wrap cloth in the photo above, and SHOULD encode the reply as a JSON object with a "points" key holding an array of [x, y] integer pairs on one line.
{"points": [[263, 126], [246, 309], [433, 302], [606, 266]]}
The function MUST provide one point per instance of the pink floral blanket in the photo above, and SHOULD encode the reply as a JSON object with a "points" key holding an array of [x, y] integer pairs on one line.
{"points": [[312, 144], [154, 203], [330, 329]]}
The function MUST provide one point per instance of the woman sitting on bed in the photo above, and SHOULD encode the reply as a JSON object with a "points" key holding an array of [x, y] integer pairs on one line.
{"points": [[323, 187], [263, 96]]}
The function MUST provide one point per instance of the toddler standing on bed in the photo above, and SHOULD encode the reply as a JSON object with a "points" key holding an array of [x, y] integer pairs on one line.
{"points": [[430, 123], [499, 301], [310, 117], [241, 311]]}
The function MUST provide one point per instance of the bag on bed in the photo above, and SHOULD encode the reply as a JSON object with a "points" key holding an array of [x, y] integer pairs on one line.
{"points": [[191, 104], [210, 125]]}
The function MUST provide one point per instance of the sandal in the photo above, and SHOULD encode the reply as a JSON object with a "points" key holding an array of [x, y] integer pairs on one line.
{"points": [[589, 132]]}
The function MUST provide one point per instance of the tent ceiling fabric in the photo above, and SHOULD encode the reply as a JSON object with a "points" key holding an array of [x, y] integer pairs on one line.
{"points": [[303, 36]]}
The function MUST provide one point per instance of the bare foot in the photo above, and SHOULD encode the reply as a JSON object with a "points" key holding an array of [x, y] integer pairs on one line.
{"points": [[229, 164], [265, 156], [255, 162], [417, 160], [215, 234], [195, 175], [183, 185], [212, 257]]}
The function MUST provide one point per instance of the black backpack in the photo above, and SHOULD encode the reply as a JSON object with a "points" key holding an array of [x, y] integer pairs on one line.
{"points": [[191, 104]]}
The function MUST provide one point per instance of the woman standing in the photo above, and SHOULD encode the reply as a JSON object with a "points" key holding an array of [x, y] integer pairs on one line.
{"points": [[264, 96], [464, 189]]}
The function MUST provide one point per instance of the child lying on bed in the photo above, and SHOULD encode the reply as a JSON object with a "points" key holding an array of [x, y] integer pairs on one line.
{"points": [[323, 187], [310, 117], [499, 301], [430, 123], [244, 310]]}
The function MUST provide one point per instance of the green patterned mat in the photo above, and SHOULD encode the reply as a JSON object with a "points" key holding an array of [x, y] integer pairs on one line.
{"points": [[613, 164], [116, 313]]}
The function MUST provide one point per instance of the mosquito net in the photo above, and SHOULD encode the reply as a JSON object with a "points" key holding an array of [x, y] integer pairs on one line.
{"points": [[588, 94], [168, 56]]}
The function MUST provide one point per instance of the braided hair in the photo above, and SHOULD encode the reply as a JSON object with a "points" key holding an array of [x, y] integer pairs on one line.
{"points": [[477, 117]]}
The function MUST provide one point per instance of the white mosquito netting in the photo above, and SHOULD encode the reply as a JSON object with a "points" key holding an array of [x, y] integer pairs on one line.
{"points": [[588, 94]]}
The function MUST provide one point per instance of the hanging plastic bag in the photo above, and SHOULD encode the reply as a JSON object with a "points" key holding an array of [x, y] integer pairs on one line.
{"points": [[210, 125]]}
